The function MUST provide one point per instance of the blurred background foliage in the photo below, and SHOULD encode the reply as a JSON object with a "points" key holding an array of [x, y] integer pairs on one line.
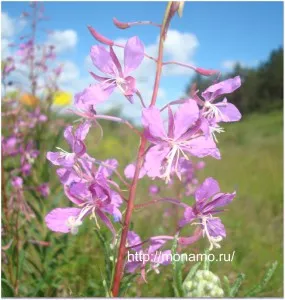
{"points": [[46, 264]]}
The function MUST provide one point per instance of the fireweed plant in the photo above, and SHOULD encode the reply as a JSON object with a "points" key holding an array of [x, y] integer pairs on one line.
{"points": [[24, 141], [165, 153]]}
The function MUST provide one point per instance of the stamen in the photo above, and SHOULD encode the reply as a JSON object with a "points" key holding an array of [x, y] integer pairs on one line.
{"points": [[214, 241], [109, 82], [216, 129], [170, 157], [93, 216], [61, 150], [176, 151], [212, 110], [73, 224]]}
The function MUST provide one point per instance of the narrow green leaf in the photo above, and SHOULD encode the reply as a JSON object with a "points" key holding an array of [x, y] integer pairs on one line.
{"points": [[126, 283], [21, 263], [192, 272], [177, 270], [264, 281], [6, 289], [236, 285], [105, 286], [106, 249], [227, 286], [206, 261]]}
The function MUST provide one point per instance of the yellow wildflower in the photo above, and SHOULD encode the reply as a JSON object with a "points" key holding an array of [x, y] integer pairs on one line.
{"points": [[61, 98]]}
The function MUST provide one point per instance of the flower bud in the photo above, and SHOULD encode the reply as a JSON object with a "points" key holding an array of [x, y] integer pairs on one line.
{"points": [[120, 25], [203, 284], [206, 72], [177, 6], [99, 37]]}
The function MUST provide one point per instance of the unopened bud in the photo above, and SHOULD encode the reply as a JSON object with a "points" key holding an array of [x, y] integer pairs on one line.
{"points": [[206, 72], [177, 6], [120, 25], [99, 37]]}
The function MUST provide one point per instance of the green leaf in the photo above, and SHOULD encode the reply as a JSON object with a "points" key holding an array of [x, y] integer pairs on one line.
{"points": [[107, 254], [236, 285], [21, 263], [6, 289], [264, 281], [192, 272], [106, 289], [227, 286], [206, 261], [177, 270], [126, 283]]}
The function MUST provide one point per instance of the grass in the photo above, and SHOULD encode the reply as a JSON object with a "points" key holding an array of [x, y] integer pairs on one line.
{"points": [[251, 164]]}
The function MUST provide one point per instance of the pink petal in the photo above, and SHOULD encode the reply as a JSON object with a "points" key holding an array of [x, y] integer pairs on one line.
{"points": [[229, 112], [68, 135], [116, 61], [130, 171], [57, 218], [185, 117], [220, 200], [202, 147], [153, 123], [154, 159], [170, 122], [102, 59], [82, 130], [107, 222], [130, 86], [77, 193], [96, 93], [207, 189], [133, 54], [108, 166], [61, 159], [221, 88]]}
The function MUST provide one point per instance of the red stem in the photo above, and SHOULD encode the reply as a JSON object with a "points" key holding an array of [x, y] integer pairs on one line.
{"points": [[158, 70], [126, 224], [122, 248]]}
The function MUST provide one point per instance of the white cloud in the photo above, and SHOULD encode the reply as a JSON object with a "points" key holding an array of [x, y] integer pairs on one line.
{"points": [[229, 64], [7, 26], [63, 40], [9, 29], [5, 49], [70, 72], [180, 47]]}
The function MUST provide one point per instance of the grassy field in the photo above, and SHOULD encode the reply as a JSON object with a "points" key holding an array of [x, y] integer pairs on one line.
{"points": [[252, 164]]}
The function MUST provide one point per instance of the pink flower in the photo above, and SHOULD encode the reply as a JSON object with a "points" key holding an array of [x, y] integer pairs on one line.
{"points": [[183, 137], [209, 201], [108, 63]]}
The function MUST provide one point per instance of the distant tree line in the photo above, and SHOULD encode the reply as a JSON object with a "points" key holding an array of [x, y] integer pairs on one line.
{"points": [[262, 87]]}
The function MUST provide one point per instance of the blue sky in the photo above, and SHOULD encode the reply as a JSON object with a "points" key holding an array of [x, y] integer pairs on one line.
{"points": [[214, 34]]}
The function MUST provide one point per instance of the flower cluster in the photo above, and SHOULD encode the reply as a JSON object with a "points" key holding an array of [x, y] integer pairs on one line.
{"points": [[169, 151], [204, 284], [25, 114], [88, 187], [19, 149]]}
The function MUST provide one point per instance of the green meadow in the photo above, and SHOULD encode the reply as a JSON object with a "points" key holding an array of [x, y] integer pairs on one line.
{"points": [[252, 164]]}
